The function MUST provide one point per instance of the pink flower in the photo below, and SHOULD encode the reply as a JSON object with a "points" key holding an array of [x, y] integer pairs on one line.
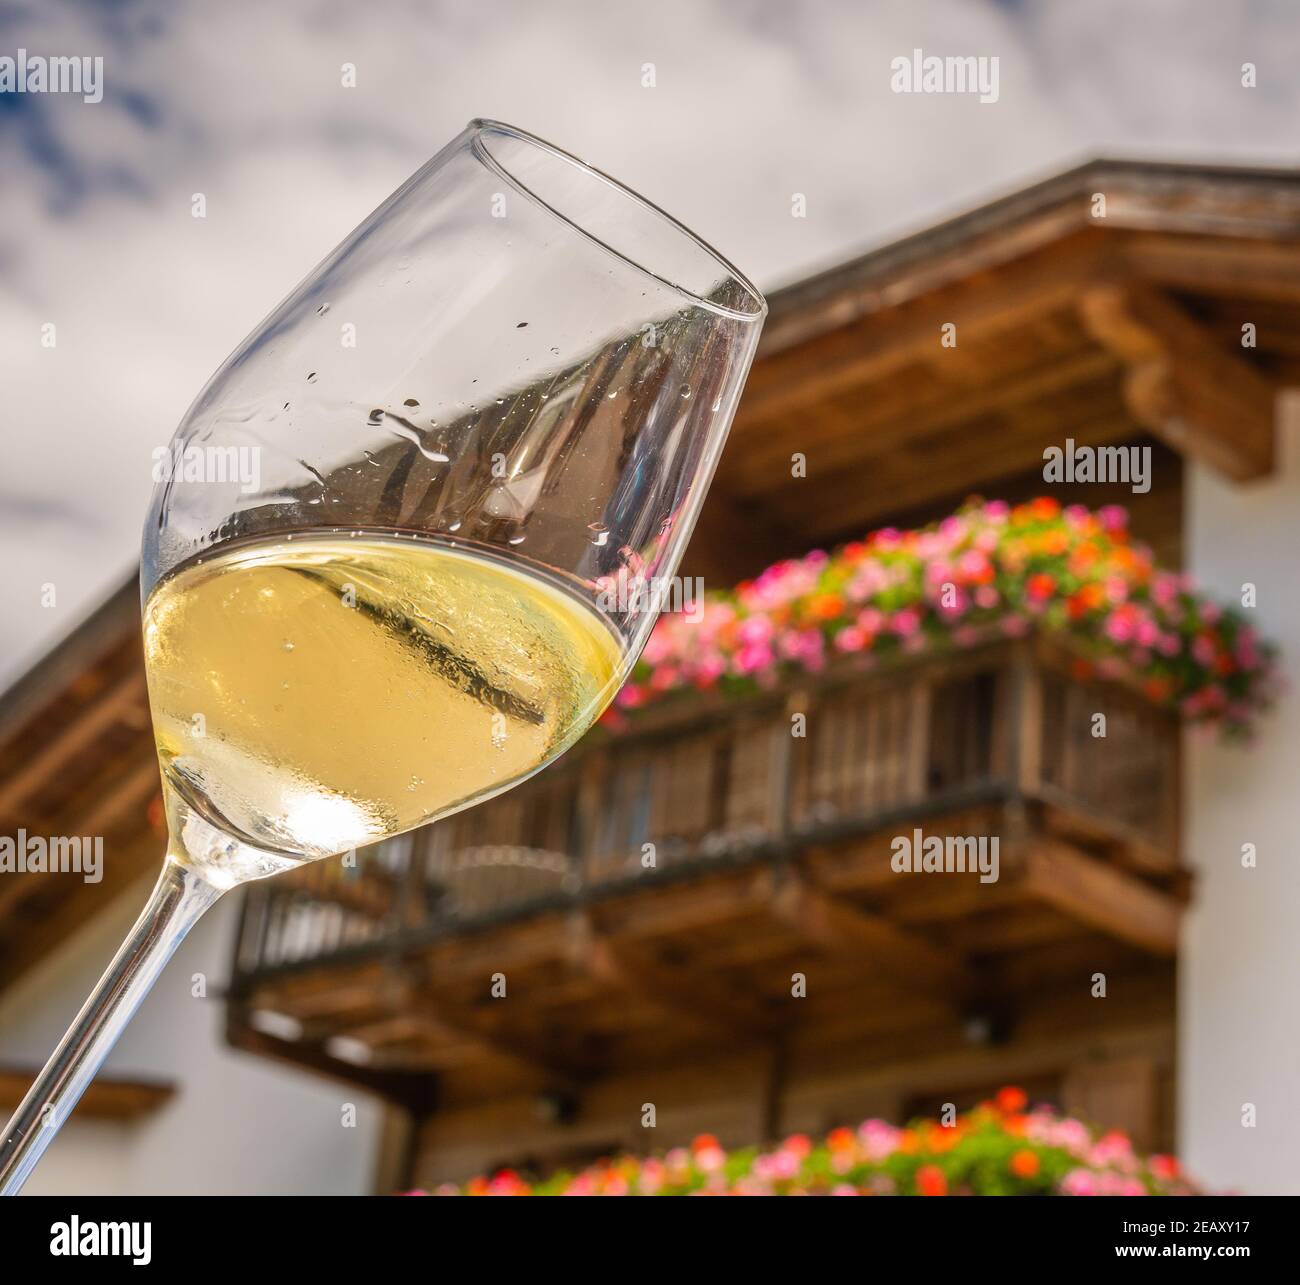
{"points": [[1079, 1182], [852, 639], [754, 657], [905, 623]]}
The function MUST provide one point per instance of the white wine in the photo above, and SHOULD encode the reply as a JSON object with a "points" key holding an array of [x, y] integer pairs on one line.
{"points": [[315, 693]]}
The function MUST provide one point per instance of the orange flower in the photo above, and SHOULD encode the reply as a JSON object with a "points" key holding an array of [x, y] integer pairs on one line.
{"points": [[943, 1138], [1045, 507], [826, 606], [1024, 1164], [841, 1140], [930, 1181], [1011, 1101], [704, 1142]]}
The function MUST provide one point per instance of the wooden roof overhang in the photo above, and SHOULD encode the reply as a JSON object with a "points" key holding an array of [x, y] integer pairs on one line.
{"points": [[1104, 305], [77, 760]]}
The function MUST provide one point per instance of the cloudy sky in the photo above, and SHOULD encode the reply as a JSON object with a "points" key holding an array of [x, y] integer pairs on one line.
{"points": [[753, 100]]}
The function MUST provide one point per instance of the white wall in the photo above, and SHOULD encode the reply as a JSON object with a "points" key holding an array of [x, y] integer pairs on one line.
{"points": [[1239, 993], [238, 1123]]}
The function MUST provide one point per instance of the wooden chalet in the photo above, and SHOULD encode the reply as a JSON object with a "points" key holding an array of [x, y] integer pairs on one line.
{"points": [[1106, 305]]}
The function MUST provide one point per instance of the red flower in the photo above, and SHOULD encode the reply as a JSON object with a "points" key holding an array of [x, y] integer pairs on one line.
{"points": [[1011, 1101], [1024, 1164], [1040, 587], [930, 1181]]}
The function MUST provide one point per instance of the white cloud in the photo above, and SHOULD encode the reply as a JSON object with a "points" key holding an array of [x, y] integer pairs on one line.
{"points": [[753, 102]]}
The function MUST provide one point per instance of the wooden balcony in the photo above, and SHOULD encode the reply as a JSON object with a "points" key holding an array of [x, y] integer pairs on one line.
{"points": [[656, 892]]}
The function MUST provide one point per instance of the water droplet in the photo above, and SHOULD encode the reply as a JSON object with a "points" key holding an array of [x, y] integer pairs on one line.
{"points": [[599, 533], [686, 393], [453, 521], [311, 376], [613, 394], [288, 646], [322, 310], [376, 417], [517, 538], [717, 406], [410, 401], [521, 325]]}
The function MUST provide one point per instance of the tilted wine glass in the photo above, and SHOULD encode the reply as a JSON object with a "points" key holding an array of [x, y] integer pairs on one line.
{"points": [[413, 534]]}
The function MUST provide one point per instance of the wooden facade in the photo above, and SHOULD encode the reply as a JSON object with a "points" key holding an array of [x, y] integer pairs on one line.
{"points": [[667, 973], [653, 903]]}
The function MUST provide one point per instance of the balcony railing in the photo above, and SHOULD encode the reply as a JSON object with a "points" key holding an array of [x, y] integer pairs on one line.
{"points": [[699, 786]]}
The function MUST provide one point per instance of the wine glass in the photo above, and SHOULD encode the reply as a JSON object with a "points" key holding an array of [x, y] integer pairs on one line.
{"points": [[411, 537]]}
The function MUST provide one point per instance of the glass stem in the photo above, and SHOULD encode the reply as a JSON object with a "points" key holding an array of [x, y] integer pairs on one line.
{"points": [[177, 901]]}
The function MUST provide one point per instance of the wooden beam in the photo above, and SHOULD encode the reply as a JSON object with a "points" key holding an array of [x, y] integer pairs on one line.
{"points": [[681, 992], [490, 1026], [949, 468], [1111, 900], [1239, 267], [87, 726], [412, 1089], [107, 1098], [905, 414], [895, 333], [1205, 402], [899, 956], [122, 797]]}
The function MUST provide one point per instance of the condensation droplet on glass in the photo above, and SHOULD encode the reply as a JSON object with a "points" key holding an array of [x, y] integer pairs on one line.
{"points": [[410, 401], [521, 325], [322, 310], [686, 393], [717, 406], [376, 417], [311, 376], [287, 645], [599, 533], [613, 394], [453, 521]]}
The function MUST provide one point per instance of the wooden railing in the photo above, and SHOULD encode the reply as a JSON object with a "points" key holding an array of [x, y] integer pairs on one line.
{"points": [[701, 785]]}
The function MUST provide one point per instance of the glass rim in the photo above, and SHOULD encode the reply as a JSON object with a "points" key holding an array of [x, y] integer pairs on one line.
{"points": [[482, 125]]}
